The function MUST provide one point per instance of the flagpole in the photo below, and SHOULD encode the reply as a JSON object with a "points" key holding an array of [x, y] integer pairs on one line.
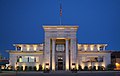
{"points": [[60, 20], [60, 12]]}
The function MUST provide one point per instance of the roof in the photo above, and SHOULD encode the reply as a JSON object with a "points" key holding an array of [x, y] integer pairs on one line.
{"points": [[58, 27]]}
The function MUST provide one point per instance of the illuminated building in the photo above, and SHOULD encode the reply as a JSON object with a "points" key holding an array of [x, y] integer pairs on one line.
{"points": [[115, 59], [60, 51]]}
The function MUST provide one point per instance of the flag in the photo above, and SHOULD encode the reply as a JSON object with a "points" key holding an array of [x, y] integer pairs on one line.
{"points": [[60, 9]]}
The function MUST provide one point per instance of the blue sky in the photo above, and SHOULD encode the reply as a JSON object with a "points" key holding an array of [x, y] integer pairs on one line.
{"points": [[21, 21]]}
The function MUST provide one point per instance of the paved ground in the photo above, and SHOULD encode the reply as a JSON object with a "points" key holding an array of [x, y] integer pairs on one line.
{"points": [[63, 73]]}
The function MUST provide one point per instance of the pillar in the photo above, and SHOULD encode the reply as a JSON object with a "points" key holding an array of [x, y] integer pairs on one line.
{"points": [[53, 54], [67, 55]]}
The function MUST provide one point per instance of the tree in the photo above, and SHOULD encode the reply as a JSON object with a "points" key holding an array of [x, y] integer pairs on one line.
{"points": [[86, 68], [110, 67], [80, 68]]}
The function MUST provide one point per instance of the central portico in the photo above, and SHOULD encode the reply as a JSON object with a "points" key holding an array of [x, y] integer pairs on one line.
{"points": [[60, 50]]}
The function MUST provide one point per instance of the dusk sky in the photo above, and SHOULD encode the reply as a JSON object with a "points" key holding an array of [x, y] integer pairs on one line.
{"points": [[21, 21]]}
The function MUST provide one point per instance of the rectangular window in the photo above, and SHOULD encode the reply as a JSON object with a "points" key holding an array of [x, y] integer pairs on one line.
{"points": [[92, 58], [59, 47]]}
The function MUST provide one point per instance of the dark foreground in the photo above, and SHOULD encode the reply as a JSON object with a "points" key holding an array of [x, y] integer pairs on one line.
{"points": [[63, 73]]}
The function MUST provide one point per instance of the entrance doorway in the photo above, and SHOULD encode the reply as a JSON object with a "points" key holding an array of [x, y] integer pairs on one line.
{"points": [[60, 63]]}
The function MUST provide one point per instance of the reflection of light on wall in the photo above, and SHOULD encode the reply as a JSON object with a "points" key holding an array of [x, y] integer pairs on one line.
{"points": [[47, 66], [2, 67], [77, 66], [85, 47], [96, 64], [35, 47], [23, 67], [117, 65], [98, 47], [91, 47], [53, 65], [89, 64], [82, 65], [28, 47], [79, 47], [37, 66], [15, 66], [43, 65], [73, 66], [103, 64], [67, 67]]}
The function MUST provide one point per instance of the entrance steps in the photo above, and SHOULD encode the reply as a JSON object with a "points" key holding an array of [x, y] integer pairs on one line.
{"points": [[60, 71]]}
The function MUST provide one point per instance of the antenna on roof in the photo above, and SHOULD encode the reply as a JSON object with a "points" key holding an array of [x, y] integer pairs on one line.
{"points": [[60, 11]]}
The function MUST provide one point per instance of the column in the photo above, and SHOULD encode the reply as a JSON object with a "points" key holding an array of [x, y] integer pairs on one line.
{"points": [[53, 54], [67, 55]]}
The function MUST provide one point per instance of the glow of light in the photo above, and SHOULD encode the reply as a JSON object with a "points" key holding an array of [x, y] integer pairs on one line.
{"points": [[89, 64], [20, 59], [35, 47], [37, 66], [28, 47], [103, 64], [23, 67], [21, 48], [91, 47], [2, 67], [77, 66], [16, 66], [53, 65], [9, 68], [43, 65], [96, 64], [47, 66], [73, 66], [82, 65], [85, 47], [116, 64], [79, 46], [67, 67], [98, 47]]}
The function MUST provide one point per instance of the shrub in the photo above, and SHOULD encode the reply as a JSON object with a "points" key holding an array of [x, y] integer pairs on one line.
{"points": [[40, 67], [94, 68], [80, 68], [18, 67], [86, 68], [101, 68], [30, 68], [34, 68], [26, 67], [21, 68], [110, 67]]}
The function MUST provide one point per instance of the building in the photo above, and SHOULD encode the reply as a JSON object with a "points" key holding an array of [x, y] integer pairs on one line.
{"points": [[60, 51], [3, 62], [115, 59]]}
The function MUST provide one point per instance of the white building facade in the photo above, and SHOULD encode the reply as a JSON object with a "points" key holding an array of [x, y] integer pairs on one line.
{"points": [[60, 51]]}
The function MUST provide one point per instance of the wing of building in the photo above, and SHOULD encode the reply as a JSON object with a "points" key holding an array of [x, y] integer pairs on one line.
{"points": [[60, 51]]}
